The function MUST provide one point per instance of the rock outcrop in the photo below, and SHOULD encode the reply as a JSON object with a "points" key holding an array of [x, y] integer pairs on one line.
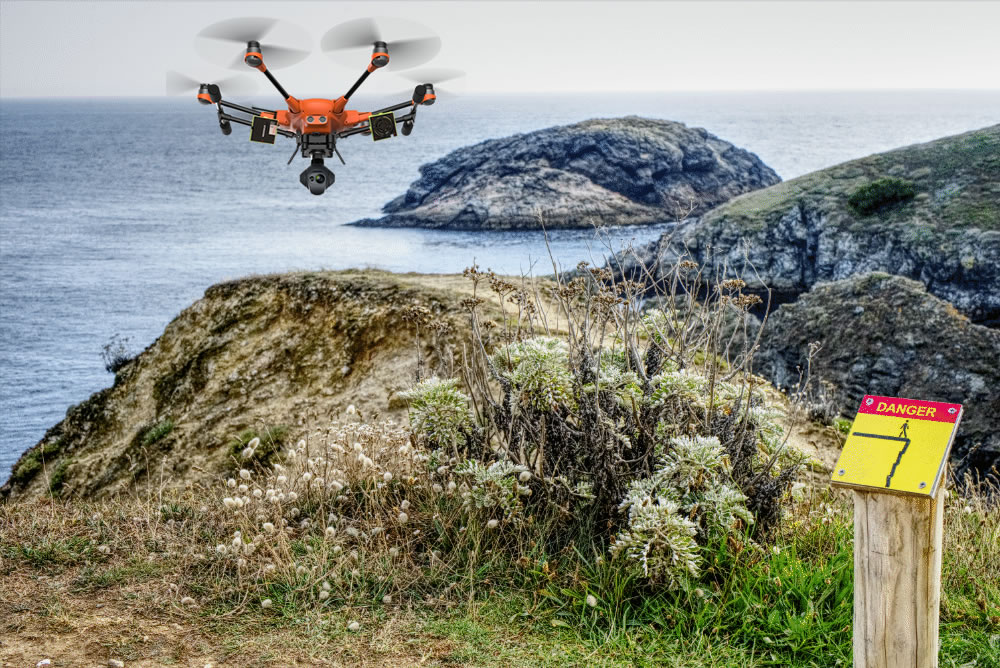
{"points": [[623, 171], [802, 231], [272, 356], [885, 335]]}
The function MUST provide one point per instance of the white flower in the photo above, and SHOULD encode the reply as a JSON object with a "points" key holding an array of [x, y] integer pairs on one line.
{"points": [[405, 505], [775, 550], [220, 548], [351, 410], [393, 552], [257, 494], [231, 482], [292, 496], [326, 585], [282, 479], [337, 549], [244, 474], [306, 477], [330, 532], [403, 517], [525, 476], [266, 603], [387, 476], [452, 486], [442, 470], [323, 595], [244, 488], [591, 601], [247, 452], [254, 442], [354, 627], [187, 600], [437, 488], [387, 599], [492, 524], [228, 502], [301, 570]]}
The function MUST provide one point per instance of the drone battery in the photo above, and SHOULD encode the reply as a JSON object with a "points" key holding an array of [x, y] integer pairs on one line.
{"points": [[263, 130], [382, 126]]}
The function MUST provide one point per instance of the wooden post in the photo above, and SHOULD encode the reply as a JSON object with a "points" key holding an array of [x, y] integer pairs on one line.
{"points": [[897, 579]]}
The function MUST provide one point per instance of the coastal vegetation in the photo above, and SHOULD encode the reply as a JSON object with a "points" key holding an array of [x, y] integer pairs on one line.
{"points": [[592, 484]]}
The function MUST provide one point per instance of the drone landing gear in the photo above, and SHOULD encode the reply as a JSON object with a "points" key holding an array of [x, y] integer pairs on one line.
{"points": [[317, 177]]}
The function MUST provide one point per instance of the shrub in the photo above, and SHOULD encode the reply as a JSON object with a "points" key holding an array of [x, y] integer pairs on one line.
{"points": [[879, 194], [439, 413], [117, 353]]}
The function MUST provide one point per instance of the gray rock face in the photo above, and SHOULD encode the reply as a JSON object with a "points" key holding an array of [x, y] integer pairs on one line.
{"points": [[625, 171], [886, 335], [803, 231]]}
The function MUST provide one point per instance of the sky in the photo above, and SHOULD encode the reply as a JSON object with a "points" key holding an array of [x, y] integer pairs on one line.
{"points": [[69, 49]]}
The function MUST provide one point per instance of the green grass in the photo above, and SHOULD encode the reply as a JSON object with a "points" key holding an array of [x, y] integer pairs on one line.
{"points": [[157, 432], [32, 462]]}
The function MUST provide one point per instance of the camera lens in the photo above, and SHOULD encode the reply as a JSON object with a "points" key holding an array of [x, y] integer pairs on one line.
{"points": [[319, 178]]}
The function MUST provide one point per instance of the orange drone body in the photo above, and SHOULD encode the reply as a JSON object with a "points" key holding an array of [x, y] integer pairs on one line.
{"points": [[317, 115], [316, 124]]}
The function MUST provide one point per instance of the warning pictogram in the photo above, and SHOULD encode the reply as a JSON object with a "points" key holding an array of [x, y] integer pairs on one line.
{"points": [[898, 445]]}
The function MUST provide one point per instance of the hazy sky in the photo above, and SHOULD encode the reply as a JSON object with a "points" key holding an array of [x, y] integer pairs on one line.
{"points": [[124, 48]]}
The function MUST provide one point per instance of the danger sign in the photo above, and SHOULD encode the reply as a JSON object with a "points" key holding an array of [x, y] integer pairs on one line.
{"points": [[898, 445]]}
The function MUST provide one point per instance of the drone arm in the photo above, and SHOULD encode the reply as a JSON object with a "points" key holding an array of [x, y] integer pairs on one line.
{"points": [[223, 116]]}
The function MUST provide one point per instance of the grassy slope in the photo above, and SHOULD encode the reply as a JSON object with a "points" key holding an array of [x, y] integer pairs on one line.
{"points": [[956, 180], [62, 598]]}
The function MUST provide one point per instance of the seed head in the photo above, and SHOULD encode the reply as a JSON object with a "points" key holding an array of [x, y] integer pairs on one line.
{"points": [[492, 524], [266, 603], [591, 601], [244, 474]]}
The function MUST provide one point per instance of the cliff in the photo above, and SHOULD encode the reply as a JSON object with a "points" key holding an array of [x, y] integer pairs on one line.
{"points": [[930, 212], [881, 334], [623, 171], [266, 356]]}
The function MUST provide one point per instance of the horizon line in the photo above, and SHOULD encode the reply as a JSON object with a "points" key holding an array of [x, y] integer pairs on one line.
{"points": [[554, 93]]}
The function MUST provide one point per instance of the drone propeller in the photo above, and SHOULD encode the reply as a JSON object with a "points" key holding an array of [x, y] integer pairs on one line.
{"points": [[340, 41], [179, 84], [433, 76], [217, 40]]}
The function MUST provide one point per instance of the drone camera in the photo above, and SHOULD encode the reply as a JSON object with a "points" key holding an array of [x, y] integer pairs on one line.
{"points": [[380, 55], [253, 57], [316, 177]]}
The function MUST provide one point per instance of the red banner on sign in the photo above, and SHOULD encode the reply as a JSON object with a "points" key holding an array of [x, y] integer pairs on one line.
{"points": [[910, 408]]}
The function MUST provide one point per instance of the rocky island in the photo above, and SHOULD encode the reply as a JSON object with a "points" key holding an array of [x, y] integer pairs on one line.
{"points": [[621, 171]]}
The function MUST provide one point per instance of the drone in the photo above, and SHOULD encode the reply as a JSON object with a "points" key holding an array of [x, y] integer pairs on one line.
{"points": [[316, 124]]}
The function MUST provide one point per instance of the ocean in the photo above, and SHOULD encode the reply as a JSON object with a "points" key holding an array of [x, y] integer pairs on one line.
{"points": [[115, 214]]}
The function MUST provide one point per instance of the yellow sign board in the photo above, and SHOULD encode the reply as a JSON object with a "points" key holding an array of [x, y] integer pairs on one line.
{"points": [[898, 445]]}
